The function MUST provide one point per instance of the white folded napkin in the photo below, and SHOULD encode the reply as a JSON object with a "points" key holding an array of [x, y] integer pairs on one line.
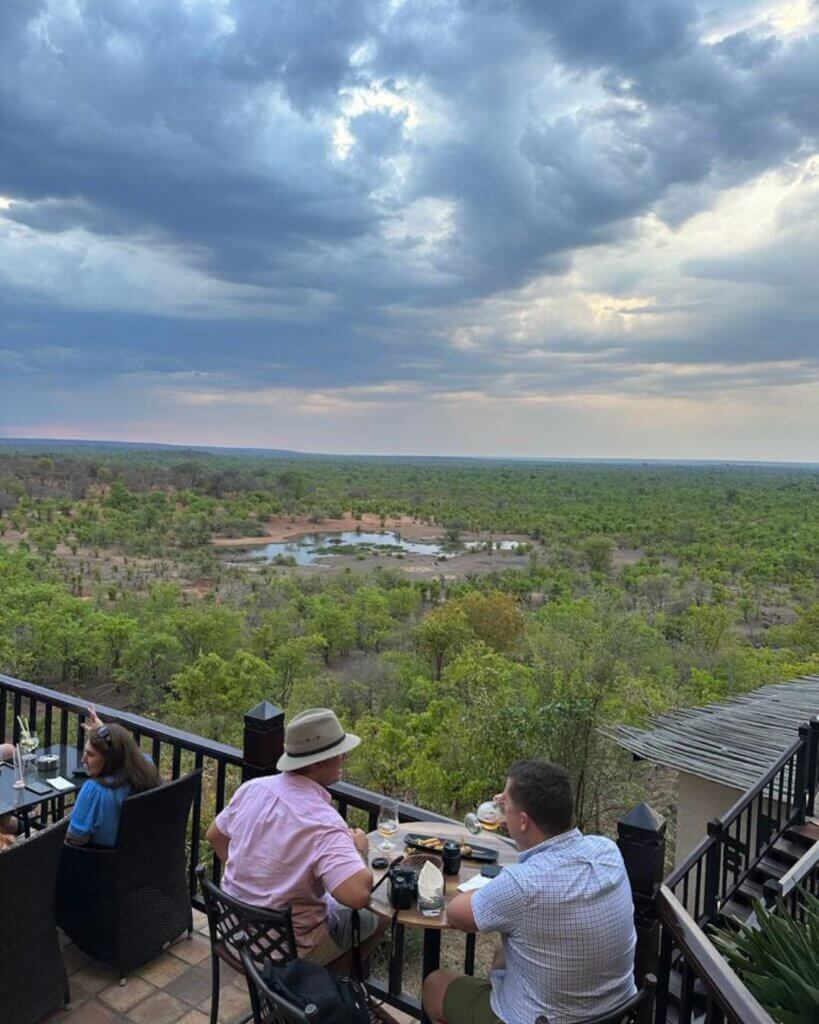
{"points": [[430, 881], [60, 783], [475, 882]]}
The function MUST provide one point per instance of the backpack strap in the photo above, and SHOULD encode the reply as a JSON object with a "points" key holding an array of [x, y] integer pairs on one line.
{"points": [[355, 924]]}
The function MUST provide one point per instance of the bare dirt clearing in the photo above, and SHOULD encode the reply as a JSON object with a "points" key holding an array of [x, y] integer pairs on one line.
{"points": [[280, 528]]}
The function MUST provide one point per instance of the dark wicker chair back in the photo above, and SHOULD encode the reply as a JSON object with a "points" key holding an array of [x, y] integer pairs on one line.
{"points": [[33, 981], [124, 905], [268, 933], [268, 1007]]}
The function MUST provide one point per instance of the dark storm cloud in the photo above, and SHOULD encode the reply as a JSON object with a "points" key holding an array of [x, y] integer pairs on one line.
{"points": [[206, 130]]}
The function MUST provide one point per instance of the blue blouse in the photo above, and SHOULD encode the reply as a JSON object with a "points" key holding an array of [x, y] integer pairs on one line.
{"points": [[97, 811]]}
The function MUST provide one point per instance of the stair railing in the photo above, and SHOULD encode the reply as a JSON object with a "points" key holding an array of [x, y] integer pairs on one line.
{"points": [[735, 842], [722, 997]]}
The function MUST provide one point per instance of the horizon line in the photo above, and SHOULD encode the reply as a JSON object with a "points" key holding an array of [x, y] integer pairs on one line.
{"points": [[237, 449]]}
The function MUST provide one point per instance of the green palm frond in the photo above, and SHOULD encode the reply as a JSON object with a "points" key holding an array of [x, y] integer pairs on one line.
{"points": [[779, 959]]}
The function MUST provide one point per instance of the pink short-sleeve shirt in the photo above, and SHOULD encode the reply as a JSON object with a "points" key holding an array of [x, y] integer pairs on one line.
{"points": [[288, 844]]}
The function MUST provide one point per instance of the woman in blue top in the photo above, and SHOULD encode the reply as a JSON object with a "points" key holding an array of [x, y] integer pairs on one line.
{"points": [[116, 768]]}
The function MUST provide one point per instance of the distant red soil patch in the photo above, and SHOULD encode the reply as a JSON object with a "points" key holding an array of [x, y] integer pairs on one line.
{"points": [[280, 528]]}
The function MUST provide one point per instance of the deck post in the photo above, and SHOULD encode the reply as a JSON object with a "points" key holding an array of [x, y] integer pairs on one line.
{"points": [[263, 740], [641, 838], [813, 763]]}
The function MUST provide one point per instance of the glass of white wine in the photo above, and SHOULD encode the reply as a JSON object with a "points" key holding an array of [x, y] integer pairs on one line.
{"points": [[489, 816], [387, 823]]}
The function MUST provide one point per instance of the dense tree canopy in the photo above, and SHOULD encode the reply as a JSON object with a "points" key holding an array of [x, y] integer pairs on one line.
{"points": [[637, 588]]}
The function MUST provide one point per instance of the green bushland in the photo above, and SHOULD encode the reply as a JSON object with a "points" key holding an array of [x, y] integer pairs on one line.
{"points": [[448, 681]]}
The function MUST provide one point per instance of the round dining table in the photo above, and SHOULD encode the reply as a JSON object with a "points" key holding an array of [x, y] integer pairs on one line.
{"points": [[413, 918]]}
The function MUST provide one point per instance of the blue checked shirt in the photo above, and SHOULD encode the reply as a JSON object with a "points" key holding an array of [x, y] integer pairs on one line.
{"points": [[566, 917]]}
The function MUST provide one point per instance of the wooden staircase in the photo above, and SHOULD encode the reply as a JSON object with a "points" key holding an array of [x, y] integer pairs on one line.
{"points": [[786, 851]]}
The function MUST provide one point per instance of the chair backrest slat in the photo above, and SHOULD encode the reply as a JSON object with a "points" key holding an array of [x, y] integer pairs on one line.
{"points": [[269, 933]]}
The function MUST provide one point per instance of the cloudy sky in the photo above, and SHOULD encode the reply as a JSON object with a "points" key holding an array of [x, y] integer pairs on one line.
{"points": [[501, 227]]}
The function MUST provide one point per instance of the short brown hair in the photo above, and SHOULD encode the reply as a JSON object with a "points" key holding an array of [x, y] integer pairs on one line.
{"points": [[544, 792]]}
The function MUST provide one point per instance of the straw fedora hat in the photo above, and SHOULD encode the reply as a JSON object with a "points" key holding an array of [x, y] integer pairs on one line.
{"points": [[312, 736]]}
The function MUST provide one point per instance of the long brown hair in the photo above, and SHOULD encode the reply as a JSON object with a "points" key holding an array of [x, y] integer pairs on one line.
{"points": [[124, 761]]}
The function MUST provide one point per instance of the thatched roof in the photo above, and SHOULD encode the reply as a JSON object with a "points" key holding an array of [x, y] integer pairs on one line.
{"points": [[734, 742]]}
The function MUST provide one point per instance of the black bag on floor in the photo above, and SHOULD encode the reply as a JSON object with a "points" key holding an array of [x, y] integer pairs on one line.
{"points": [[303, 983]]}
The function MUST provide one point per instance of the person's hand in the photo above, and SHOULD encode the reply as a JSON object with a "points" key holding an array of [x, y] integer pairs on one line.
{"points": [[6, 841], [94, 720], [362, 843]]}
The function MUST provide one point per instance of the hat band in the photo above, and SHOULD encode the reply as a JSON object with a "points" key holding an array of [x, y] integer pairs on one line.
{"points": [[318, 750]]}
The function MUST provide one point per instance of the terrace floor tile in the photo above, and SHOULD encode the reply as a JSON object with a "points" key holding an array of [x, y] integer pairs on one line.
{"points": [[89, 1011], [160, 1008], [193, 950], [192, 986], [122, 997], [194, 1017], [163, 970], [94, 978]]}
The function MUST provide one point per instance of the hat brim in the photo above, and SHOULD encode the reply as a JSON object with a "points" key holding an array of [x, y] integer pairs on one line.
{"points": [[288, 763]]}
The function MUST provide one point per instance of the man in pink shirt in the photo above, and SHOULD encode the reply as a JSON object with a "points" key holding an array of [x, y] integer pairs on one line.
{"points": [[282, 842]]}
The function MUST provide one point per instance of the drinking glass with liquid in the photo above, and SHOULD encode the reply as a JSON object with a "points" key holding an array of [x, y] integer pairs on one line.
{"points": [[387, 823], [489, 816]]}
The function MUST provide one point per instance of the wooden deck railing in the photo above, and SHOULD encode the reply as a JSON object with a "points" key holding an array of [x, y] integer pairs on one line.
{"points": [[699, 970]]}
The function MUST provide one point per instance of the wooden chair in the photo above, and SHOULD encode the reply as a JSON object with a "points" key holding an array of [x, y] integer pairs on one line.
{"points": [[268, 934]]}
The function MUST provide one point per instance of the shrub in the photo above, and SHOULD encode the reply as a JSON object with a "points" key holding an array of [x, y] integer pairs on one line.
{"points": [[779, 959]]}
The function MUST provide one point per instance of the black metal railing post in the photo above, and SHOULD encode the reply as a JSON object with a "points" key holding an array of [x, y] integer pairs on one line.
{"points": [[641, 838], [263, 740], [813, 763], [802, 783], [713, 859]]}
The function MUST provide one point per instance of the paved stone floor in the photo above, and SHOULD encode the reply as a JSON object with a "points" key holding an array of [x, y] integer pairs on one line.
{"points": [[174, 989]]}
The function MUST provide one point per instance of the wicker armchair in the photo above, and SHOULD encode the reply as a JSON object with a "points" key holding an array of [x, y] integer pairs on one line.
{"points": [[268, 933], [125, 905], [32, 975]]}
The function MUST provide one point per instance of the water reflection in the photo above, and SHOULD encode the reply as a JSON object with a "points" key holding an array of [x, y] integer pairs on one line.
{"points": [[311, 547]]}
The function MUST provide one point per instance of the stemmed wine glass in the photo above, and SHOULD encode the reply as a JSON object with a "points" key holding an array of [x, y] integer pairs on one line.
{"points": [[387, 823]]}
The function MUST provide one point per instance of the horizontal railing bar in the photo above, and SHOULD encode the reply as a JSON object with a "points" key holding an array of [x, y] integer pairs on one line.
{"points": [[136, 723], [750, 795], [405, 1001], [690, 861], [354, 796], [367, 800], [801, 869], [728, 991]]}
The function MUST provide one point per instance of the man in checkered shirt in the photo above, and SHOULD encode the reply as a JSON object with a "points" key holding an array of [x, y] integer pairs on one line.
{"points": [[564, 912]]}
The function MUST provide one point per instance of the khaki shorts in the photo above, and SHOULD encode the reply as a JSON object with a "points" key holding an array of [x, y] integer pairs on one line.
{"points": [[339, 939], [466, 1001]]}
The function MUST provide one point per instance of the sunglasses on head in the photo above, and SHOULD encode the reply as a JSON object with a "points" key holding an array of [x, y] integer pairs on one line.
{"points": [[104, 733]]}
